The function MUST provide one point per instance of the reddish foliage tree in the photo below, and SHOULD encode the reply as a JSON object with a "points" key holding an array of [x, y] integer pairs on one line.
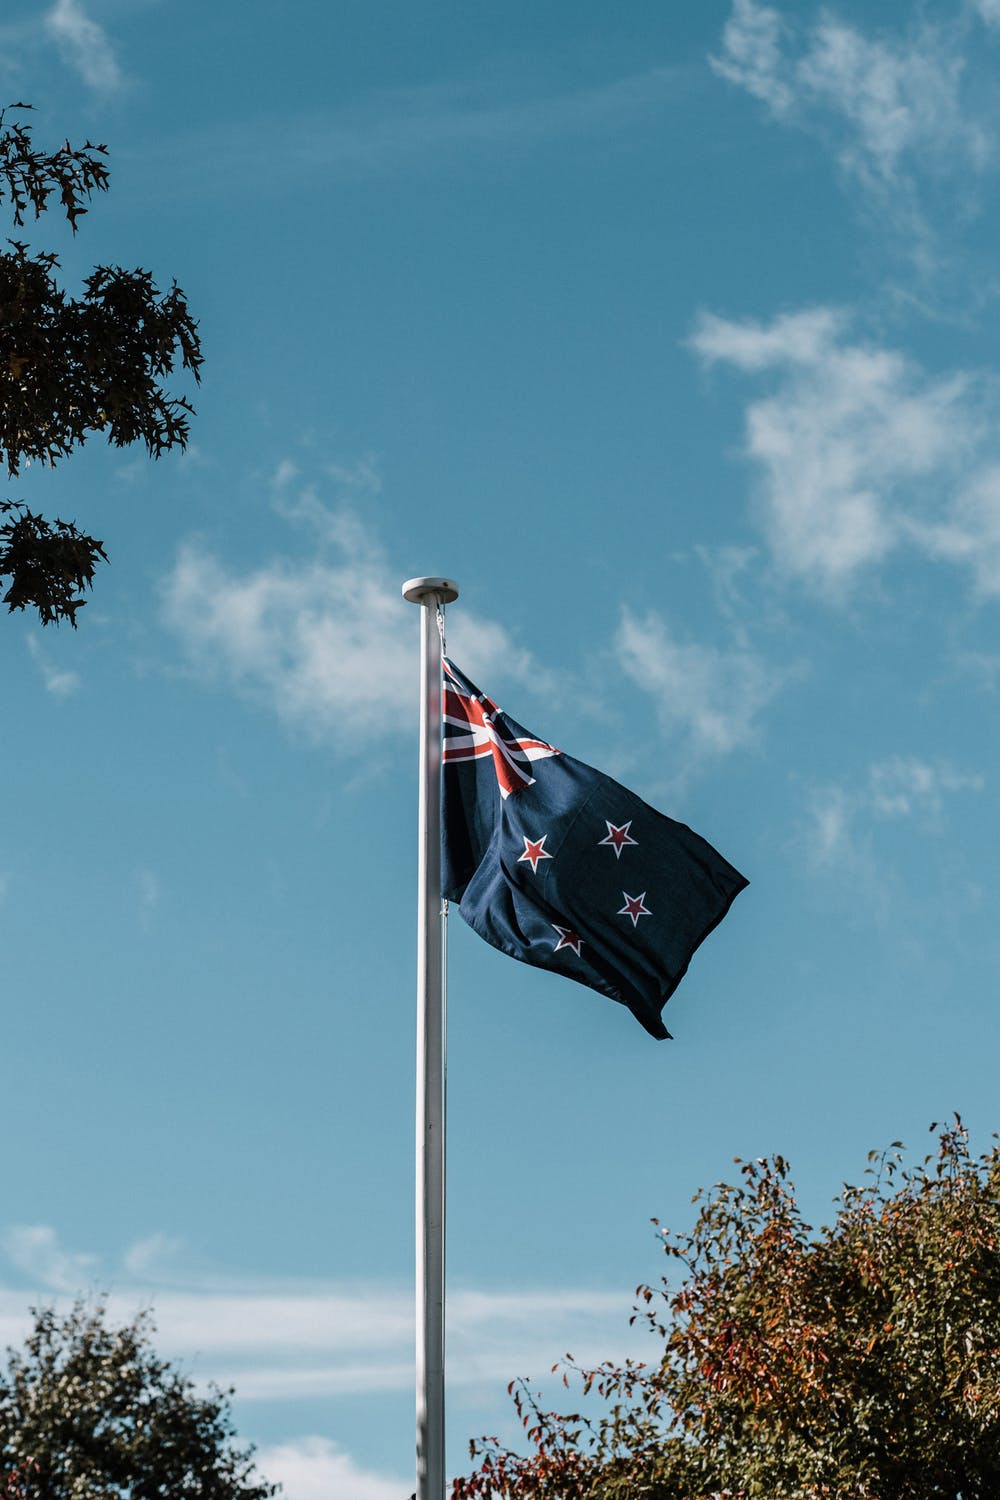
{"points": [[859, 1360]]}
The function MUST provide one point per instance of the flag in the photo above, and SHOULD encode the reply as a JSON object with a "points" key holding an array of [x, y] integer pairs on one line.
{"points": [[560, 866]]}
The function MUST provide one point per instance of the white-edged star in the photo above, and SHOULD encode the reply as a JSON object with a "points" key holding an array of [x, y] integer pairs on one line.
{"points": [[534, 850], [618, 837], [568, 939], [635, 908]]}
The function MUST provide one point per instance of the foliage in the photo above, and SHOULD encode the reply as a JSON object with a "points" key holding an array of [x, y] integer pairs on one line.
{"points": [[861, 1360], [72, 367], [48, 563], [88, 1411]]}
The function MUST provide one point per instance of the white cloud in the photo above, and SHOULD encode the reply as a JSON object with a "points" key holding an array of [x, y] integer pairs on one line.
{"points": [[287, 1340], [35, 1250], [842, 836], [838, 847], [896, 100], [752, 56], [893, 103], [84, 45], [830, 813], [711, 694], [796, 339], [313, 1468], [838, 818], [983, 667], [233, 1320], [148, 891], [989, 11], [971, 532], [59, 681], [741, 583], [903, 787], [315, 1381], [146, 1256], [328, 643], [853, 445], [320, 644], [407, 128]]}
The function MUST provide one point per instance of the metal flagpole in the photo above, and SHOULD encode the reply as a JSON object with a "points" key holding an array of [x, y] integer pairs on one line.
{"points": [[431, 594]]}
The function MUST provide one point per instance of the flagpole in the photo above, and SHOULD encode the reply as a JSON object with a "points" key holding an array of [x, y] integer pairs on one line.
{"points": [[430, 594]]}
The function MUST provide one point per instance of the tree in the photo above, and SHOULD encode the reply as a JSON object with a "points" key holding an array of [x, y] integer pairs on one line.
{"points": [[861, 1360], [72, 367], [88, 1411]]}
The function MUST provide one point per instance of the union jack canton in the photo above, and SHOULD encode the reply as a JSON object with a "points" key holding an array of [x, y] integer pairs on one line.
{"points": [[475, 726]]}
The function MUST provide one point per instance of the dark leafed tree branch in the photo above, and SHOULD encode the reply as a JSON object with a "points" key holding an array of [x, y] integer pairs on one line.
{"points": [[49, 563], [29, 177], [72, 367]]}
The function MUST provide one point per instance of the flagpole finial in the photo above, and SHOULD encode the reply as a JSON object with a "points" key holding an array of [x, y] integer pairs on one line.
{"points": [[426, 590]]}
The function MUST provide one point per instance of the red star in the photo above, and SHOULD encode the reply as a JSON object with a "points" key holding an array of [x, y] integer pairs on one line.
{"points": [[568, 939], [533, 852], [618, 837], [634, 907]]}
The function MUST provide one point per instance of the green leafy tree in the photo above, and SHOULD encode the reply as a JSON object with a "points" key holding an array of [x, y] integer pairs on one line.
{"points": [[859, 1360], [88, 1412], [72, 367]]}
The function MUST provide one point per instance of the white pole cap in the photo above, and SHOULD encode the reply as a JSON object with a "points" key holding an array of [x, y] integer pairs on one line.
{"points": [[424, 590]]}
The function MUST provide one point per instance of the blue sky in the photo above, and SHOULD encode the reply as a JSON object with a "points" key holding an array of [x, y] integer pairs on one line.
{"points": [[670, 332]]}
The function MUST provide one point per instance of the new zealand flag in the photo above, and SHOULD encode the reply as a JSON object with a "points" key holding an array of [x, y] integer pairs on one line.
{"points": [[560, 866]]}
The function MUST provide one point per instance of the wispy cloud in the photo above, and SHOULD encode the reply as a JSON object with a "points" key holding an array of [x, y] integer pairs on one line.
{"points": [[84, 45], [729, 569], [281, 1340], [326, 641], [712, 695], [148, 894], [970, 532], [891, 105], [322, 644], [839, 817], [483, 113], [145, 1257], [842, 838], [752, 54], [425, 127], [983, 667], [859, 451], [35, 1249], [906, 787], [61, 682]]}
